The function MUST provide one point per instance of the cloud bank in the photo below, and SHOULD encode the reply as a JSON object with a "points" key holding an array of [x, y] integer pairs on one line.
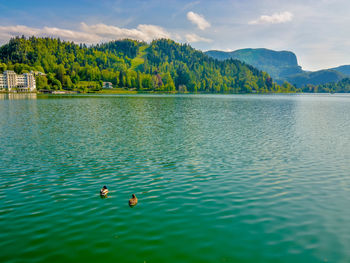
{"points": [[142, 32], [97, 33], [90, 34], [276, 18], [7, 32], [195, 38], [198, 20]]}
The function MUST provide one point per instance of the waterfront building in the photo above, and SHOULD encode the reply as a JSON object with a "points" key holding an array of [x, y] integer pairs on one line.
{"points": [[107, 85], [10, 81]]}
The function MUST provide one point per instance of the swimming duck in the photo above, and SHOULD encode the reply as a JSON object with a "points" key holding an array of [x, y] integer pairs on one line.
{"points": [[133, 200], [104, 191]]}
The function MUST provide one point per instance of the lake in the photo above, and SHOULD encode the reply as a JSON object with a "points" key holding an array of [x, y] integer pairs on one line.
{"points": [[219, 178]]}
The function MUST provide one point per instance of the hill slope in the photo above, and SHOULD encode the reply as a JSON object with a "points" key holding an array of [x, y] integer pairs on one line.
{"points": [[278, 64], [342, 86], [345, 70], [315, 78], [283, 66], [162, 65]]}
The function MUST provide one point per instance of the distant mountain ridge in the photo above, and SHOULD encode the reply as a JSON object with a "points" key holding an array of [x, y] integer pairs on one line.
{"points": [[283, 66], [345, 69], [278, 64], [316, 77]]}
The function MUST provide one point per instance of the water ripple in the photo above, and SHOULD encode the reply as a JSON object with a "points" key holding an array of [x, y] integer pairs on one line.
{"points": [[218, 178]]}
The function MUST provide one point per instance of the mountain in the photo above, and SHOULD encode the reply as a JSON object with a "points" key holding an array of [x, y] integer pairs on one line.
{"points": [[162, 65], [283, 66], [343, 69], [342, 86], [315, 78], [278, 64]]}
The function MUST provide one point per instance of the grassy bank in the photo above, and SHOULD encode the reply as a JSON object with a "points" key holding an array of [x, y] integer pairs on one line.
{"points": [[115, 91]]}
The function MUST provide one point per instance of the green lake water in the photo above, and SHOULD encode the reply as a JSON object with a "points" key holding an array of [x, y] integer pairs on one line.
{"points": [[219, 178]]}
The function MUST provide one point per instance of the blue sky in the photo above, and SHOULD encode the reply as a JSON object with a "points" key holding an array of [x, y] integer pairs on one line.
{"points": [[318, 31]]}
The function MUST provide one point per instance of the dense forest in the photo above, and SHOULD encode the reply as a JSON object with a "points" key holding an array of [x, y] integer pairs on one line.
{"points": [[162, 65], [283, 66], [278, 64], [342, 86]]}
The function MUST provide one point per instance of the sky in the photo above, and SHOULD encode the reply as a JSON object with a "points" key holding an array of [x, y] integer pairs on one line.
{"points": [[317, 31]]}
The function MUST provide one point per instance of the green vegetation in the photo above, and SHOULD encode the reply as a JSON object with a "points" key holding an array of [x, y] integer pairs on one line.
{"points": [[315, 78], [283, 66], [278, 64], [342, 86], [116, 91], [161, 66], [139, 59]]}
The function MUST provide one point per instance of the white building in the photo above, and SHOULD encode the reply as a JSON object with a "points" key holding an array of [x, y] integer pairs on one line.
{"points": [[107, 85], [10, 81]]}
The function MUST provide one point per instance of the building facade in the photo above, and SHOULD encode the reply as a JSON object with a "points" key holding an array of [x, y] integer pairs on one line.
{"points": [[10, 81], [107, 85]]}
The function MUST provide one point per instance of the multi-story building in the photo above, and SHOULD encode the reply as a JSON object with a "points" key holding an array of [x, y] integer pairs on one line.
{"points": [[10, 81]]}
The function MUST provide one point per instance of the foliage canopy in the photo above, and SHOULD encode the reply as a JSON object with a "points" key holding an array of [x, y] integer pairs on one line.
{"points": [[162, 65]]}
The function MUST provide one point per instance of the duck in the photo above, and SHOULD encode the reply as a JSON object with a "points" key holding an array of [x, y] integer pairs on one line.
{"points": [[104, 191], [133, 200]]}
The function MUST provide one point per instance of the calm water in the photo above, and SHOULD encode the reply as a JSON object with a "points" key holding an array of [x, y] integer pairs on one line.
{"points": [[238, 178]]}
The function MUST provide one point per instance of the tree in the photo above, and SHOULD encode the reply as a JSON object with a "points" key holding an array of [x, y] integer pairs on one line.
{"points": [[60, 73], [41, 82], [165, 65], [168, 82], [139, 81], [56, 84], [147, 82]]}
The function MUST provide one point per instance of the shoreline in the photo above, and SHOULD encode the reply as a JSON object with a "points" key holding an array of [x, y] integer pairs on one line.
{"points": [[134, 92]]}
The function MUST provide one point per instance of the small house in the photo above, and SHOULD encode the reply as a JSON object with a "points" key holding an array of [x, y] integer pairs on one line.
{"points": [[107, 85]]}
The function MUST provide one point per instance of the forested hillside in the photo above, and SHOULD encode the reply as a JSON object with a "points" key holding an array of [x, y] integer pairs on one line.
{"points": [[278, 64], [283, 66], [319, 77], [342, 86], [161, 65]]}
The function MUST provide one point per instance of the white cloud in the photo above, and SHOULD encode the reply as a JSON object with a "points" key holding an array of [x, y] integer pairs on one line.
{"points": [[90, 34], [275, 18], [198, 20], [195, 38], [7, 32], [17, 30], [142, 32], [69, 35], [151, 32]]}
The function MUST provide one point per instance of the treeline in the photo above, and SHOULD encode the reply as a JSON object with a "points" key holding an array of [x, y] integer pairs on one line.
{"points": [[162, 65], [342, 86]]}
